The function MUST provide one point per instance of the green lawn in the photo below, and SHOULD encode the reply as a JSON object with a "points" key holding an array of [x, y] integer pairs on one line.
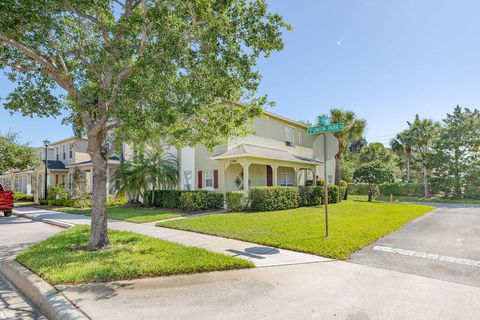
{"points": [[62, 259], [418, 199], [125, 214], [353, 225]]}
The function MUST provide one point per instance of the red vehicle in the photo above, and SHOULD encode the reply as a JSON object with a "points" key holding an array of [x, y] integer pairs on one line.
{"points": [[6, 201]]}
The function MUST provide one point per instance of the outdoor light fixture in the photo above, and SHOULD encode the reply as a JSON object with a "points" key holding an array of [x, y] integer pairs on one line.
{"points": [[46, 142]]}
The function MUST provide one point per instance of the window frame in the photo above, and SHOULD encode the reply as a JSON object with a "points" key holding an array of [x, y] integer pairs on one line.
{"points": [[186, 185], [291, 142], [64, 149], [208, 176], [300, 136]]}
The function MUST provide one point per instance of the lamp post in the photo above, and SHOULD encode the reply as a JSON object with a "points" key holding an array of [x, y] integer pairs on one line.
{"points": [[46, 143]]}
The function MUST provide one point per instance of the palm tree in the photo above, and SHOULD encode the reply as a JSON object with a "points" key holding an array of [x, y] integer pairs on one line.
{"points": [[152, 171], [422, 133], [402, 145], [354, 128]]}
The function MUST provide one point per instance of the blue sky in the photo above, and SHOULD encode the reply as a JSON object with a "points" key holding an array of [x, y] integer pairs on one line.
{"points": [[386, 60]]}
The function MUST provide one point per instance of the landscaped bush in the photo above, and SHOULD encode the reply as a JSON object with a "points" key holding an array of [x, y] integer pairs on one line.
{"points": [[20, 196], [343, 193], [200, 200], [164, 198], [333, 194], [81, 203], [55, 203], [310, 196], [57, 192], [116, 200], [43, 202], [319, 182], [402, 189], [274, 198], [237, 201]]}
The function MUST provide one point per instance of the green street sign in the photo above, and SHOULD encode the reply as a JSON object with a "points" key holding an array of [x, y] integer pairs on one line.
{"points": [[334, 127], [323, 120]]}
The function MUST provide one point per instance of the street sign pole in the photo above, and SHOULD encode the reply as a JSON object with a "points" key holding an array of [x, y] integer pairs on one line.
{"points": [[324, 128], [325, 187]]}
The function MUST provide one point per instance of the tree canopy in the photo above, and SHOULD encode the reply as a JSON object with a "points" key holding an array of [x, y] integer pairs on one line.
{"points": [[14, 155], [170, 72]]}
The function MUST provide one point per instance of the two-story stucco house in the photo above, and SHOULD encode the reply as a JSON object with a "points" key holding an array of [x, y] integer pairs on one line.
{"points": [[64, 157], [278, 153]]}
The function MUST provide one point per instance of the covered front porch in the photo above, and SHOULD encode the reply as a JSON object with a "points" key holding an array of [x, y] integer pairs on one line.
{"points": [[246, 166]]}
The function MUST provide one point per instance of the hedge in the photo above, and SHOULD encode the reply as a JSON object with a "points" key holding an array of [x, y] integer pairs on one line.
{"points": [[319, 182], [402, 189], [164, 198], [237, 201], [310, 196], [200, 200], [274, 198]]}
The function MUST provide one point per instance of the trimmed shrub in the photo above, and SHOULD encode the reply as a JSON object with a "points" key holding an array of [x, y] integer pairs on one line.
{"points": [[200, 200], [57, 192], [310, 196], [82, 203], [343, 184], [55, 203], [274, 198], [20, 196], [343, 193], [164, 198], [237, 201], [43, 202], [117, 200], [319, 182], [401, 189], [333, 194]]}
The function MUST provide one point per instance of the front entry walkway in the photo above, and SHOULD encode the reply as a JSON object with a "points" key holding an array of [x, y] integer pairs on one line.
{"points": [[261, 256]]}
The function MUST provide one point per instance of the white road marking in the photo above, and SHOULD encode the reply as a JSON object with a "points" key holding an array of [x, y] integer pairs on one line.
{"points": [[426, 255]]}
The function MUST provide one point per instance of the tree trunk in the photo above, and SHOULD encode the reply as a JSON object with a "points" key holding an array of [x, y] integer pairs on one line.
{"points": [[425, 181], [408, 167], [369, 196], [458, 188], [98, 232], [338, 162]]}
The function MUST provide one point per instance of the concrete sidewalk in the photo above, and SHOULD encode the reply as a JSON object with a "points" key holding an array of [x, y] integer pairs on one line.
{"points": [[261, 256]]}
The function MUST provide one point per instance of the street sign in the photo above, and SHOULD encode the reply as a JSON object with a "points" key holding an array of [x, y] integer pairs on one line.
{"points": [[323, 120], [334, 127]]}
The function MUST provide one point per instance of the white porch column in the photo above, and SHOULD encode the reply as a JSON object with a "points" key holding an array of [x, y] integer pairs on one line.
{"points": [[295, 183], [274, 174], [246, 166], [29, 184], [225, 182]]}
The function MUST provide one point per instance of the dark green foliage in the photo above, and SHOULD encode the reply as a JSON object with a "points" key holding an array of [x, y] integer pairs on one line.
{"points": [[201, 200], [310, 196], [274, 198], [333, 194], [13, 154], [343, 193], [164, 198], [237, 201], [401, 189], [319, 182], [373, 174]]}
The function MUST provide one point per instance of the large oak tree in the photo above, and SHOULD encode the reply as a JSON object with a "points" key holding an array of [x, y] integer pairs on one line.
{"points": [[163, 70]]}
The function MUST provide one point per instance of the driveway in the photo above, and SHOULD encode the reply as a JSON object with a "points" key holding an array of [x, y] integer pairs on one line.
{"points": [[443, 244]]}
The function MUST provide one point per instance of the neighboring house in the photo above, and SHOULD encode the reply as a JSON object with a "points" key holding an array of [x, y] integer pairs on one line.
{"points": [[64, 157], [279, 153]]}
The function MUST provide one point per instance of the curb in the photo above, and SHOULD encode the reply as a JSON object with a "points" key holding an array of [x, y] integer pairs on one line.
{"points": [[44, 296], [57, 223]]}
